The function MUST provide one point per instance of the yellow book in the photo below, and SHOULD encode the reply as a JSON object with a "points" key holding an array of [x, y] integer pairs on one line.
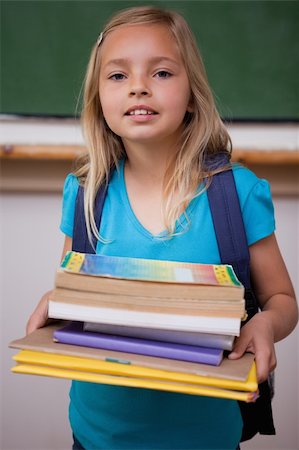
{"points": [[90, 370], [90, 365], [134, 382]]}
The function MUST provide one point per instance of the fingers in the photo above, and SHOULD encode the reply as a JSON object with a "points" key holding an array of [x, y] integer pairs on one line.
{"points": [[241, 346], [39, 317], [34, 323], [265, 363], [37, 320], [265, 357]]}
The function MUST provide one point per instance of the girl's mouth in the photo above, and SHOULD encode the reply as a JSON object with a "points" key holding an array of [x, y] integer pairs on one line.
{"points": [[140, 110]]}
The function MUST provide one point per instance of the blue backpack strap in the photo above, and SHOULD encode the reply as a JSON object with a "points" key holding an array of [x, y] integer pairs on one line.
{"points": [[80, 242], [229, 228], [230, 231], [233, 248], [228, 224]]}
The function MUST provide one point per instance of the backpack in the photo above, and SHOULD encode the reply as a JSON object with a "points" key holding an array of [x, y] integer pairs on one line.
{"points": [[232, 243]]}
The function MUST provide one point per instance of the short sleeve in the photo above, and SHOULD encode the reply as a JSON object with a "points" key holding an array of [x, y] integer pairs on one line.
{"points": [[70, 190], [256, 205]]}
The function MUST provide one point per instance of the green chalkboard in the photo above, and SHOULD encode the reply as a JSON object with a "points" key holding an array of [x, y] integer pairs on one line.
{"points": [[250, 49]]}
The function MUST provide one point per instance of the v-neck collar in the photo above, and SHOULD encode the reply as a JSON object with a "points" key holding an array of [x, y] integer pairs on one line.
{"points": [[181, 223]]}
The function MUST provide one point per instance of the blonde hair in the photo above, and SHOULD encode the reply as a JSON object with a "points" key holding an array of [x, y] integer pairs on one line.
{"points": [[204, 133]]}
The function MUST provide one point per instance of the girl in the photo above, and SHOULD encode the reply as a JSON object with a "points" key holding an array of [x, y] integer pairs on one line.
{"points": [[149, 119]]}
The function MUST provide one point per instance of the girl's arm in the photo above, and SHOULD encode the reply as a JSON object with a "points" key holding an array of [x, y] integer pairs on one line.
{"points": [[39, 316], [276, 296]]}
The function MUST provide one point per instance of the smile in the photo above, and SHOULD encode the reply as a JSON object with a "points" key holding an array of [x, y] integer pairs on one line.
{"points": [[141, 112]]}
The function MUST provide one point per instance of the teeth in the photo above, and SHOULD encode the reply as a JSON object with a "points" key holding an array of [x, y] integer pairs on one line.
{"points": [[140, 112]]}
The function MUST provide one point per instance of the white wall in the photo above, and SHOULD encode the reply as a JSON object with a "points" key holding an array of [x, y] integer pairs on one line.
{"points": [[34, 409], [286, 400]]}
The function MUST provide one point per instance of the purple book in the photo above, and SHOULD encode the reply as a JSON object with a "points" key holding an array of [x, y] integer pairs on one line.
{"points": [[74, 334]]}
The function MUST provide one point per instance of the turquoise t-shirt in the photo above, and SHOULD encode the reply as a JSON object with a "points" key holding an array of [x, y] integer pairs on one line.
{"points": [[114, 417]]}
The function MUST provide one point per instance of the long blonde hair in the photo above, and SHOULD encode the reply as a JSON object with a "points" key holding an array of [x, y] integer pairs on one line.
{"points": [[204, 133]]}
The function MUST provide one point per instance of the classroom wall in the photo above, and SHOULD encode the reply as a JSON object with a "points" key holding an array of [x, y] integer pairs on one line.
{"points": [[34, 409]]}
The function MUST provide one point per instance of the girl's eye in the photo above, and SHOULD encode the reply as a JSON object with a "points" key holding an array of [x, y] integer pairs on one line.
{"points": [[163, 74], [117, 77]]}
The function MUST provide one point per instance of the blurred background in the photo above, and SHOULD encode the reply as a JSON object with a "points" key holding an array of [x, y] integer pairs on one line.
{"points": [[251, 53]]}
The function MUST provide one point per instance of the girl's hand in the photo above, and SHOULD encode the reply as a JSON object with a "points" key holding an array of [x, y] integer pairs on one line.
{"points": [[276, 296], [257, 337], [39, 316]]}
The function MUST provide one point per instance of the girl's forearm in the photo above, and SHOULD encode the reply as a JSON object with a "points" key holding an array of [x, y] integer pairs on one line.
{"points": [[282, 311]]}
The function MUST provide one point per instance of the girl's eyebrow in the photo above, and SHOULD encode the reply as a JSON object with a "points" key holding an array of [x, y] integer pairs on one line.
{"points": [[153, 60]]}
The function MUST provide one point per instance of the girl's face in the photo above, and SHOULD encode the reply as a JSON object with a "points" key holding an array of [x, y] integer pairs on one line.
{"points": [[144, 88]]}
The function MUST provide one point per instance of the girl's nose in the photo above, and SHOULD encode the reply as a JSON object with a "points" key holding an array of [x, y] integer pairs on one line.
{"points": [[138, 92], [139, 87]]}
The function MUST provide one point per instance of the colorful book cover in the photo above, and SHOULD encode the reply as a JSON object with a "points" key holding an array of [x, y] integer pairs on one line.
{"points": [[149, 269], [74, 334]]}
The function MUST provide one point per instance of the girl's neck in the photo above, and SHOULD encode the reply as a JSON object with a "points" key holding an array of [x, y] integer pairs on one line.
{"points": [[148, 163]]}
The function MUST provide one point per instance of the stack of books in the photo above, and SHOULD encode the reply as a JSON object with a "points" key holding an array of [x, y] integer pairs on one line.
{"points": [[143, 323], [148, 293]]}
